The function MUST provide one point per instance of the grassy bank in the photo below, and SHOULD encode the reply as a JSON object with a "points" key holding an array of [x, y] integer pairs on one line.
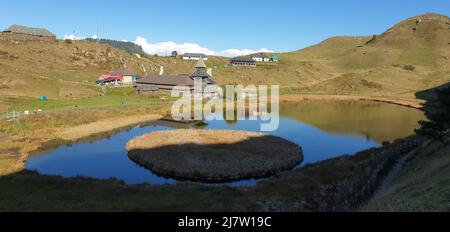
{"points": [[107, 98], [34, 192], [27, 191], [311, 188], [69, 112], [60, 122], [423, 184]]}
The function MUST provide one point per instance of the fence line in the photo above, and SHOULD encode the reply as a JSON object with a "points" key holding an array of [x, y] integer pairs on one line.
{"points": [[370, 174]]}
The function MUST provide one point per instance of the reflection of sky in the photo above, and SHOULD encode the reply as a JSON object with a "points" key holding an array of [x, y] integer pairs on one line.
{"points": [[317, 145], [107, 158]]}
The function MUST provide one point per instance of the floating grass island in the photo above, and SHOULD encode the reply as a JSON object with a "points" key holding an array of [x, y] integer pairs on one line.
{"points": [[214, 156]]}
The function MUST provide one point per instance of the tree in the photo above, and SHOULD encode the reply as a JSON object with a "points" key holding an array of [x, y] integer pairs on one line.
{"points": [[374, 37], [126, 46], [174, 53], [438, 126]]}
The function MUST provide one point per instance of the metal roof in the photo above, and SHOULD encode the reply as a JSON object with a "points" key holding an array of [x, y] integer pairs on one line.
{"points": [[242, 59], [29, 30], [200, 73], [259, 55], [166, 80]]}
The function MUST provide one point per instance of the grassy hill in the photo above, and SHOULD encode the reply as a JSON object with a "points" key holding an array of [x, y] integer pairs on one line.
{"points": [[409, 57], [60, 68]]}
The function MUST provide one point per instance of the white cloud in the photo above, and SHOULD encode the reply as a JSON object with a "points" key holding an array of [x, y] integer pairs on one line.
{"points": [[163, 48], [73, 37], [166, 48]]}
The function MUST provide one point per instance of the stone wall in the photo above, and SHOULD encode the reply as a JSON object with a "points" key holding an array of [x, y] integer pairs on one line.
{"points": [[12, 37]]}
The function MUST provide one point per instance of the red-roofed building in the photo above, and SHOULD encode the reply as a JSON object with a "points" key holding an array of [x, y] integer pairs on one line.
{"points": [[120, 76]]}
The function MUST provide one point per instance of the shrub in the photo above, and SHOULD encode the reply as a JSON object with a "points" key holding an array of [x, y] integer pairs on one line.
{"points": [[374, 37], [438, 126], [370, 84], [409, 67], [129, 47]]}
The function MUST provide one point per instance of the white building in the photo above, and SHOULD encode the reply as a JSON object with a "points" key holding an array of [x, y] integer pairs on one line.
{"points": [[194, 56]]}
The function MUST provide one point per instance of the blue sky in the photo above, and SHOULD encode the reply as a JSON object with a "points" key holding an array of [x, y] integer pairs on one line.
{"points": [[279, 25]]}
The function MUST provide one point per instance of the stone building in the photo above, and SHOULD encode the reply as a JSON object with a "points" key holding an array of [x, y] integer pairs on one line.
{"points": [[154, 83], [23, 33]]}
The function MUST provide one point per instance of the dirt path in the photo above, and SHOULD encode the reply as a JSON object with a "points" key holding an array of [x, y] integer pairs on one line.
{"points": [[102, 126], [413, 103], [385, 188]]}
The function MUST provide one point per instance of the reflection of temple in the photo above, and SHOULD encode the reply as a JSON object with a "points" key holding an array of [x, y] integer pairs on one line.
{"points": [[170, 123], [174, 124]]}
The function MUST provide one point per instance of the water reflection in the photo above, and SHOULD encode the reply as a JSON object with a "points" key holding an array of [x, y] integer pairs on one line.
{"points": [[378, 121], [324, 129]]}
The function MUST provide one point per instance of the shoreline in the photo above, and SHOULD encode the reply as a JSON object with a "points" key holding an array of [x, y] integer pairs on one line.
{"points": [[309, 188], [262, 198], [80, 132], [406, 102], [75, 134], [104, 126]]}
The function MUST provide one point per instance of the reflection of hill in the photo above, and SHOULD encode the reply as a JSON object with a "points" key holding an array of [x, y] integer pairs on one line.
{"points": [[378, 121]]}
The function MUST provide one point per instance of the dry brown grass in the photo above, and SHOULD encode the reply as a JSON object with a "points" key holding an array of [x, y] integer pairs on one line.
{"points": [[339, 65], [50, 130], [103, 126], [214, 155]]}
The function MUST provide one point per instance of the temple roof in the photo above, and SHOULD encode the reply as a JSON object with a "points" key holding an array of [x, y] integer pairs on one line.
{"points": [[200, 64]]}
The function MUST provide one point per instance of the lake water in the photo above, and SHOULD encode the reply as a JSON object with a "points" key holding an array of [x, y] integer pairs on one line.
{"points": [[324, 129]]}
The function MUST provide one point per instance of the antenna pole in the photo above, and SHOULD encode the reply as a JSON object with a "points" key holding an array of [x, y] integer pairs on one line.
{"points": [[98, 37]]}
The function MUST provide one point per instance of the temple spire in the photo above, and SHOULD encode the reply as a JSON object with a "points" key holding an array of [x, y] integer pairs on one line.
{"points": [[200, 64]]}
